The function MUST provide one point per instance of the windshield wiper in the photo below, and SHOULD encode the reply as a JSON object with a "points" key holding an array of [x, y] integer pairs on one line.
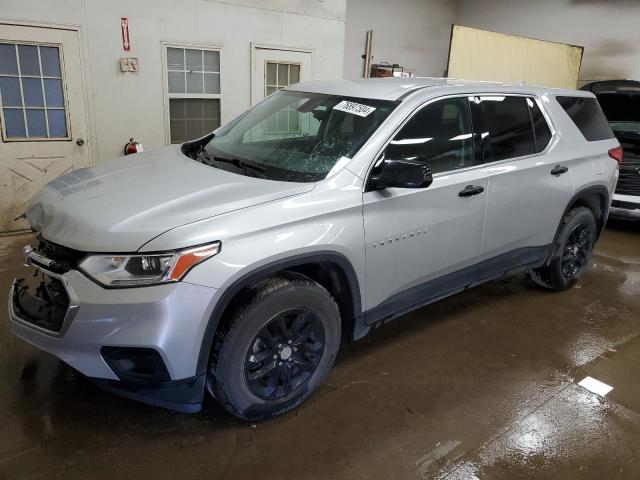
{"points": [[208, 159], [243, 164], [197, 150], [203, 156]]}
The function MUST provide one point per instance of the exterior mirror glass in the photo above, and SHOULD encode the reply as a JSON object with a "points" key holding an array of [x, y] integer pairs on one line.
{"points": [[414, 173]]}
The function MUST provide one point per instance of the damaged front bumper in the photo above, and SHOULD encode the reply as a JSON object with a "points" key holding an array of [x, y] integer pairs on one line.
{"points": [[142, 343]]}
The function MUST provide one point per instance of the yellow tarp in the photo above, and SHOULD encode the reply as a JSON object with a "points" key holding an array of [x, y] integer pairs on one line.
{"points": [[482, 55]]}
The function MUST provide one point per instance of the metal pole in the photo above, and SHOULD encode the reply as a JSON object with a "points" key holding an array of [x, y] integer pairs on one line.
{"points": [[367, 54]]}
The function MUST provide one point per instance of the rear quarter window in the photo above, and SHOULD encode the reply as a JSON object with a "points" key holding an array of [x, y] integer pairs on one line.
{"points": [[587, 116]]}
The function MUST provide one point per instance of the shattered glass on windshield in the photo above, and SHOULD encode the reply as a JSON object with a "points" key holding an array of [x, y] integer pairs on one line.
{"points": [[297, 136]]}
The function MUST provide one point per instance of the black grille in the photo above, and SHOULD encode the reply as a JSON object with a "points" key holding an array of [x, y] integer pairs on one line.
{"points": [[626, 205], [44, 303], [629, 179], [65, 258]]}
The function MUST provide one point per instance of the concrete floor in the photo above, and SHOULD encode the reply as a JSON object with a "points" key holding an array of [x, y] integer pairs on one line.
{"points": [[481, 385]]}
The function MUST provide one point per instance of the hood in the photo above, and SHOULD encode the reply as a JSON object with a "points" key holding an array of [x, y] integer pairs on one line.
{"points": [[120, 205]]}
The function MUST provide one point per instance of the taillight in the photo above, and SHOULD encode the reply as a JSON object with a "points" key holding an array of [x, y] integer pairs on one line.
{"points": [[616, 154]]}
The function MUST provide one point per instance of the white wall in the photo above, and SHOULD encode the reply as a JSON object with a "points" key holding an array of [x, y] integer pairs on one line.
{"points": [[608, 29], [412, 33], [132, 105]]}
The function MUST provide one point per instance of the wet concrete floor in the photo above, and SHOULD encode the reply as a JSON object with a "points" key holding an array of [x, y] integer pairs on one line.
{"points": [[481, 385]]}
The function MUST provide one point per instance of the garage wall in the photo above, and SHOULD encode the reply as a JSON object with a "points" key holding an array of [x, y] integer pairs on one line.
{"points": [[608, 29], [132, 105], [411, 33]]}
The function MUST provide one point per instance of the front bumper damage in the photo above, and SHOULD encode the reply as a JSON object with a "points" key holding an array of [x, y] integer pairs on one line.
{"points": [[141, 343]]}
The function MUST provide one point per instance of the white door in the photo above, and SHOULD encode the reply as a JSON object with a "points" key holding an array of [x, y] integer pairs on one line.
{"points": [[273, 69], [42, 114]]}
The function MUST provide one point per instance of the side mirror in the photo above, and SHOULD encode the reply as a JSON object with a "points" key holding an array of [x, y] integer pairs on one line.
{"points": [[414, 173]]}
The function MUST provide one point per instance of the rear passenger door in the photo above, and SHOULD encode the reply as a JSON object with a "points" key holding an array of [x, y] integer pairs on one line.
{"points": [[530, 181], [415, 235]]}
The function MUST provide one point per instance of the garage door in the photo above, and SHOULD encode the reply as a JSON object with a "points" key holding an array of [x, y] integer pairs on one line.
{"points": [[42, 114]]}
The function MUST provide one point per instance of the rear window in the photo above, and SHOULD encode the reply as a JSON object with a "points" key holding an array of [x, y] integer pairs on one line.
{"points": [[509, 124], [620, 107], [587, 116]]}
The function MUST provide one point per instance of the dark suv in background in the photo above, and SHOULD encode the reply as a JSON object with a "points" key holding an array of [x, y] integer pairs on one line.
{"points": [[620, 100]]}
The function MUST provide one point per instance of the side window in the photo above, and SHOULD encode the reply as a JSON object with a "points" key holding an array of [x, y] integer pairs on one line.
{"points": [[441, 132], [588, 117], [541, 130], [509, 125]]}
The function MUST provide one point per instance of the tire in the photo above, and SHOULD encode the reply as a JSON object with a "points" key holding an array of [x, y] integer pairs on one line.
{"points": [[258, 372], [574, 241]]}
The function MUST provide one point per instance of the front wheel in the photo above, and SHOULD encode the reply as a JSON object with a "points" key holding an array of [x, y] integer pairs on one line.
{"points": [[278, 347], [572, 249]]}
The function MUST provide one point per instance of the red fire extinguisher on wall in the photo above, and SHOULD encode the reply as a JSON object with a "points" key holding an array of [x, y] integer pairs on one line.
{"points": [[133, 146]]}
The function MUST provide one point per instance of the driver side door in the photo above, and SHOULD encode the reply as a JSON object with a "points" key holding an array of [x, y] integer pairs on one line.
{"points": [[415, 236]]}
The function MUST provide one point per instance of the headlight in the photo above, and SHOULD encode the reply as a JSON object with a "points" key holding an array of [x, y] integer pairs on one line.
{"points": [[133, 270]]}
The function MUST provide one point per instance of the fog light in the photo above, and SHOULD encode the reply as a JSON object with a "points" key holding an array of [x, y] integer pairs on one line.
{"points": [[135, 364]]}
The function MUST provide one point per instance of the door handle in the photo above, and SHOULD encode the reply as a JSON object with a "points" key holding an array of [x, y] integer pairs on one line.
{"points": [[80, 141], [470, 190], [559, 170]]}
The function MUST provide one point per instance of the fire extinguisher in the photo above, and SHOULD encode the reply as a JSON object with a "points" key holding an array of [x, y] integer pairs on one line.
{"points": [[133, 146]]}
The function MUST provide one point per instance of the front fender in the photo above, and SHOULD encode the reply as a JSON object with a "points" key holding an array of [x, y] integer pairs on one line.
{"points": [[253, 273]]}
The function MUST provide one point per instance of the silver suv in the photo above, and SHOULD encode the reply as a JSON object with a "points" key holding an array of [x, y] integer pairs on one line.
{"points": [[240, 262]]}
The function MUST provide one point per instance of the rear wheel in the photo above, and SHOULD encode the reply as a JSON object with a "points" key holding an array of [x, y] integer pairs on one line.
{"points": [[572, 249], [276, 349]]}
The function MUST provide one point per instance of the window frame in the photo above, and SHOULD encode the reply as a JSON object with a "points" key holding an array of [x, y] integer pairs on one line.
{"points": [[471, 98], [169, 96], [277, 63], [597, 102], [69, 137], [276, 86], [474, 143], [545, 115], [547, 122]]}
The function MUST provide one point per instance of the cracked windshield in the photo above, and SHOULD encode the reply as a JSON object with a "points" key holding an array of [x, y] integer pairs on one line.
{"points": [[296, 136]]}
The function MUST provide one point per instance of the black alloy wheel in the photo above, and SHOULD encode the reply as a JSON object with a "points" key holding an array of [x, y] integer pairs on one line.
{"points": [[571, 250], [284, 354], [576, 251], [275, 348]]}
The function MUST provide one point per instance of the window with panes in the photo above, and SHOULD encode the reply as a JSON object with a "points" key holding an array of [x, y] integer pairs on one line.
{"points": [[32, 97], [193, 80], [279, 75]]}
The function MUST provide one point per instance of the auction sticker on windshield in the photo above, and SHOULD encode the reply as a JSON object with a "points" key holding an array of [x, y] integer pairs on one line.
{"points": [[354, 108]]}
